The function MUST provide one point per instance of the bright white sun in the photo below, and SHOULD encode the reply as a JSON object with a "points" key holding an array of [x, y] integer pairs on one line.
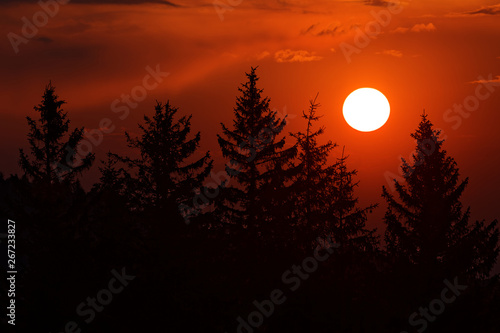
{"points": [[366, 109]]}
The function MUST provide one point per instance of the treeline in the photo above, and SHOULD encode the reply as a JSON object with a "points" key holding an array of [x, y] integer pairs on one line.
{"points": [[276, 242]]}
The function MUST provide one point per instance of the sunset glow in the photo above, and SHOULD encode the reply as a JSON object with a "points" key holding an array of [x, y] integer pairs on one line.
{"points": [[250, 166]]}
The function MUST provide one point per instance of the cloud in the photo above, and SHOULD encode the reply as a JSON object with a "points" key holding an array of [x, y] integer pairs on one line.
{"points": [[295, 56], [309, 29], [381, 3], [392, 53], [423, 27], [486, 10], [400, 30], [483, 11], [331, 30], [262, 55], [490, 80], [385, 3]]}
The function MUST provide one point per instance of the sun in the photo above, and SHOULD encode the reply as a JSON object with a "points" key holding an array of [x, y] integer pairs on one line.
{"points": [[366, 109]]}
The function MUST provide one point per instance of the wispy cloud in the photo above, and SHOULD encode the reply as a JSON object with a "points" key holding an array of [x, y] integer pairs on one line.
{"points": [[263, 55], [421, 27], [381, 3], [490, 80], [486, 10], [309, 29], [483, 11], [400, 30], [329, 30], [295, 56], [392, 53]]}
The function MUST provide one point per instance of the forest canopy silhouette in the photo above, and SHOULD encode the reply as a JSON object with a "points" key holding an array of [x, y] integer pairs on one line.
{"points": [[247, 248]]}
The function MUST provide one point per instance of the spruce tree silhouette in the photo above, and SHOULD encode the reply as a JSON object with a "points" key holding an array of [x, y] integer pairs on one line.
{"points": [[428, 226], [344, 219], [164, 177], [314, 177], [429, 239], [326, 206], [55, 160], [50, 208], [258, 160], [256, 204], [325, 200], [113, 178]]}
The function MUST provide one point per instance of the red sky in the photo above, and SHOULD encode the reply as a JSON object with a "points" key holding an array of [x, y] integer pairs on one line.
{"points": [[421, 54]]}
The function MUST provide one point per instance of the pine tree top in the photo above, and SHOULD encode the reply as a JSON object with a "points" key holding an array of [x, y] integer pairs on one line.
{"points": [[54, 157]]}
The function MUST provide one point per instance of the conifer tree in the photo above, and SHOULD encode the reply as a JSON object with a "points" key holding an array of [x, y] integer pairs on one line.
{"points": [[345, 220], [51, 207], [167, 174], [327, 207], [315, 173], [426, 225], [112, 178], [326, 203], [257, 157], [54, 158], [114, 184]]}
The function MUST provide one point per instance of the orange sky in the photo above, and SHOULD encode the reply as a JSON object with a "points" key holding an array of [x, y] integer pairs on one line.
{"points": [[428, 55]]}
